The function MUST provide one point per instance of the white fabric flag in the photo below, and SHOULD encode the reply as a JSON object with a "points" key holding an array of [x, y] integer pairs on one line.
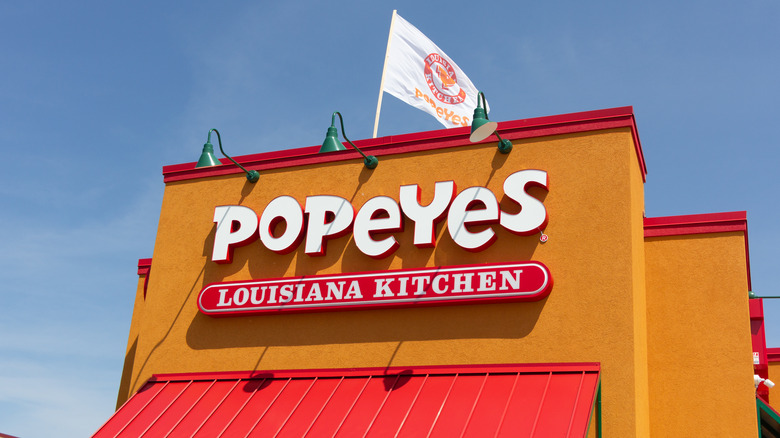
{"points": [[419, 73]]}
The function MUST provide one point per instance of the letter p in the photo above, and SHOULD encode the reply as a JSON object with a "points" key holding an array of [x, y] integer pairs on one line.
{"points": [[236, 226]]}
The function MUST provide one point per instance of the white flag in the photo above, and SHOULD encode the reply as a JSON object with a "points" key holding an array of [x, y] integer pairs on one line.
{"points": [[419, 73]]}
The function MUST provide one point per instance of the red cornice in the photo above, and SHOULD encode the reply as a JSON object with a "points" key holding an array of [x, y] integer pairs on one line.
{"points": [[143, 266], [696, 224], [773, 354], [701, 224], [421, 141]]}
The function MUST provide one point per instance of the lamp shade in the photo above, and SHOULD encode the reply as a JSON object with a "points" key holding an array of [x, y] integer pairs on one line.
{"points": [[481, 127], [207, 158], [332, 143]]}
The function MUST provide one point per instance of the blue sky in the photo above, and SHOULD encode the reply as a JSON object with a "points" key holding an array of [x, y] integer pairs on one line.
{"points": [[95, 97]]}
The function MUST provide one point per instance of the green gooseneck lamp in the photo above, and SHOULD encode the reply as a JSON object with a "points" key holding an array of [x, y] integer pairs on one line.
{"points": [[332, 143], [208, 159], [482, 128]]}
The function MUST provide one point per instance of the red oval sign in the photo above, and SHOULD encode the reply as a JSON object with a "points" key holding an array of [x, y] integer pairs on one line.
{"points": [[527, 281]]}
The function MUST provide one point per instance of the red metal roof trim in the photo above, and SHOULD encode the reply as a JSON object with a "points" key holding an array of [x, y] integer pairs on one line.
{"points": [[696, 224], [773, 354], [421, 141], [701, 224], [490, 400]]}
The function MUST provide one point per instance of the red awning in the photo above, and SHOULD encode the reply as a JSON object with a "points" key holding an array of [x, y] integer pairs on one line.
{"points": [[552, 400]]}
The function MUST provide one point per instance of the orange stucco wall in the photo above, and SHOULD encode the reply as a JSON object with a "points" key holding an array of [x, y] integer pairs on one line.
{"points": [[774, 371], [700, 355], [591, 314], [606, 305], [774, 376]]}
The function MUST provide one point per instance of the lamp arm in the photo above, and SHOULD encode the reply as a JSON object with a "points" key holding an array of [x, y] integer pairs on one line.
{"points": [[504, 145], [484, 104], [251, 175], [369, 160]]}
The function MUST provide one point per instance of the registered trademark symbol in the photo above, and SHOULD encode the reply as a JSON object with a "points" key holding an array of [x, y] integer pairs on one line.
{"points": [[543, 238]]}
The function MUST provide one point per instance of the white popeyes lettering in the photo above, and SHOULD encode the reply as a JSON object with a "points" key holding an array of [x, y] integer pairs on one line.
{"points": [[462, 214], [287, 209], [532, 216], [236, 226], [332, 216], [366, 223], [329, 216], [425, 218]]}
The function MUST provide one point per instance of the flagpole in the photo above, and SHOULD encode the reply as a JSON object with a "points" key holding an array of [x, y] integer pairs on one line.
{"points": [[384, 69]]}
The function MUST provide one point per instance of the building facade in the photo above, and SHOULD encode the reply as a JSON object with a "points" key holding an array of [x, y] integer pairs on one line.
{"points": [[453, 289]]}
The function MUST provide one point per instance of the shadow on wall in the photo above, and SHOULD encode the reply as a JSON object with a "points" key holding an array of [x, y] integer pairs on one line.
{"points": [[127, 375], [505, 320], [261, 380], [187, 299]]}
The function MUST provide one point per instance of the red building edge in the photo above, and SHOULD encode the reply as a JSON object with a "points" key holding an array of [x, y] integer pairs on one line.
{"points": [[622, 117]]}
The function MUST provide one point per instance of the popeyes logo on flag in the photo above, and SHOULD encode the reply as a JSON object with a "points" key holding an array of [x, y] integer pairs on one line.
{"points": [[419, 73], [442, 80]]}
